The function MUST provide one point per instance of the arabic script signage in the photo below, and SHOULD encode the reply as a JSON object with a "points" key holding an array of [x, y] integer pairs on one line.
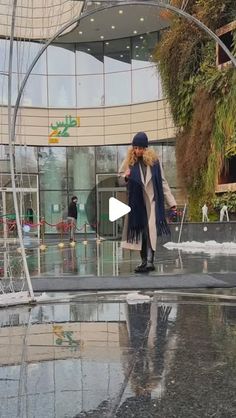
{"points": [[60, 129]]}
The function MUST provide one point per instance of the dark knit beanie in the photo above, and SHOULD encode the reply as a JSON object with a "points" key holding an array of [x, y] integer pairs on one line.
{"points": [[140, 140]]}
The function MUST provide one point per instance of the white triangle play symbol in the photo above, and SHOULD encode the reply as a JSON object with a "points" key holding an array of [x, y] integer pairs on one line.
{"points": [[117, 209]]}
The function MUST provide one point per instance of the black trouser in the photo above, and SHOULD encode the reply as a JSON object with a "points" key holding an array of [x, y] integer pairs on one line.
{"points": [[147, 253]]}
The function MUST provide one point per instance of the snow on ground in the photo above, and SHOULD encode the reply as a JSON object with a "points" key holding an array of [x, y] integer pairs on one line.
{"points": [[210, 247]]}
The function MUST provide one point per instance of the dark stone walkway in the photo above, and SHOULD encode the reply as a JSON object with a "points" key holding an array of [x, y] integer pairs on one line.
{"points": [[186, 281]]}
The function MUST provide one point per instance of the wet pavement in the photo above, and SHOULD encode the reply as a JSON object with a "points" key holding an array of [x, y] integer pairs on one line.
{"points": [[107, 259], [120, 355], [123, 353], [92, 265]]}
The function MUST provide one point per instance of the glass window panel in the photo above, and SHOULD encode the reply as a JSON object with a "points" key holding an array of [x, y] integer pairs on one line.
{"points": [[26, 180], [89, 58], [117, 55], [35, 91], [81, 167], [5, 166], [61, 91], [86, 210], [142, 48], [90, 91], [61, 59], [106, 159], [3, 89], [169, 164], [4, 54], [158, 150], [122, 153], [26, 159], [21, 180], [53, 207], [117, 88], [148, 90], [52, 168], [5, 180], [23, 55]]}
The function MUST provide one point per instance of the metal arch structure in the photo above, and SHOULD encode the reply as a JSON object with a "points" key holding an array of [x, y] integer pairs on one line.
{"points": [[76, 20]]}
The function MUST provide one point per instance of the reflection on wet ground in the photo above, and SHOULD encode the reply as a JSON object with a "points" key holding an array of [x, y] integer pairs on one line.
{"points": [[118, 356], [108, 259]]}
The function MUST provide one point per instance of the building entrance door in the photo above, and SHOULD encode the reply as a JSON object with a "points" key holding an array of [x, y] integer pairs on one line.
{"points": [[105, 227], [105, 189]]}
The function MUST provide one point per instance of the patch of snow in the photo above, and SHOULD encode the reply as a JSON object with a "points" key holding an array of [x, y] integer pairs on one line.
{"points": [[210, 247], [135, 297]]}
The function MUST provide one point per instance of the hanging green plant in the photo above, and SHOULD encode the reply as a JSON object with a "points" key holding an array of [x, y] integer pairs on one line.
{"points": [[228, 199], [202, 98]]}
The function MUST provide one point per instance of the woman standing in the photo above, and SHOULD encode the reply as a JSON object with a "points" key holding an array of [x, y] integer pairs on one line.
{"points": [[147, 190]]}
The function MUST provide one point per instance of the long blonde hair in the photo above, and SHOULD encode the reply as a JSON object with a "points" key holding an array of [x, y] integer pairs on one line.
{"points": [[149, 157]]}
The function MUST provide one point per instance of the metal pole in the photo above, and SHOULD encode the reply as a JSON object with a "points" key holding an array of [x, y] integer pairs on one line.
{"points": [[182, 221], [11, 130]]}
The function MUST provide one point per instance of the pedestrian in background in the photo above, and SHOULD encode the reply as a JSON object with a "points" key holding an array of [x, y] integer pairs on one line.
{"points": [[72, 217]]}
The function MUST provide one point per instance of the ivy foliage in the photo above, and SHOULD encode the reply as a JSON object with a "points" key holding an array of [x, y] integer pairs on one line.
{"points": [[202, 97], [228, 199]]}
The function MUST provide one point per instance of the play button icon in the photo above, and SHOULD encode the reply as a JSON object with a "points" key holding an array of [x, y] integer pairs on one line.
{"points": [[117, 209]]}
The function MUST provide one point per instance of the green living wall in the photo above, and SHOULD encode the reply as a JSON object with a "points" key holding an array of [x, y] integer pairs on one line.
{"points": [[202, 97]]}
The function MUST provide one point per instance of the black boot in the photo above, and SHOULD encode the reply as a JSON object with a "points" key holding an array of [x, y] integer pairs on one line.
{"points": [[142, 268], [150, 260]]}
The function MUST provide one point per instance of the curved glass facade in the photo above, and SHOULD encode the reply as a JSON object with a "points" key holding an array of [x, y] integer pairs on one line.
{"points": [[67, 171], [95, 74]]}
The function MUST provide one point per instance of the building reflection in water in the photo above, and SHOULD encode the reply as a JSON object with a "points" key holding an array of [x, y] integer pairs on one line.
{"points": [[106, 258], [56, 354], [111, 358]]}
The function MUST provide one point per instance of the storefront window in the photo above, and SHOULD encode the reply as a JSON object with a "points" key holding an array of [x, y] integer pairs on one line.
{"points": [[86, 210], [81, 168], [158, 150], [52, 168], [53, 207], [4, 159], [106, 159], [26, 159], [122, 152]]}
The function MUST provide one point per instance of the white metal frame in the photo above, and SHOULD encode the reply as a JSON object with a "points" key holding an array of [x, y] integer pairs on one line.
{"points": [[20, 190]]}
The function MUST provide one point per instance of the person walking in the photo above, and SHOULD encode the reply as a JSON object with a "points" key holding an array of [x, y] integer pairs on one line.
{"points": [[147, 190], [72, 217]]}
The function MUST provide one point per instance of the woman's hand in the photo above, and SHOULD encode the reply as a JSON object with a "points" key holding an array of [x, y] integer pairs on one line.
{"points": [[127, 172]]}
